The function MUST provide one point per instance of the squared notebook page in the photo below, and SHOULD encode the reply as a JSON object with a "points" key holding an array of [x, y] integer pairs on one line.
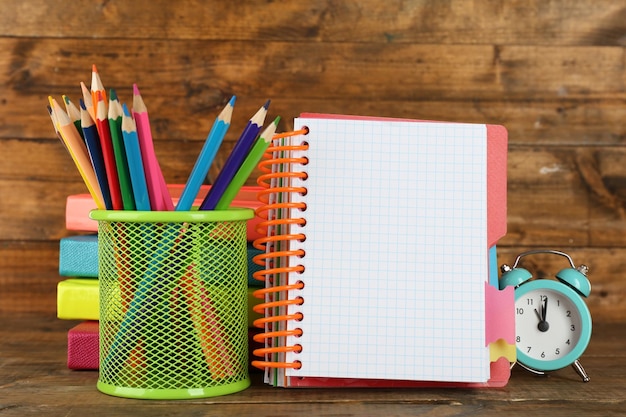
{"points": [[395, 251]]}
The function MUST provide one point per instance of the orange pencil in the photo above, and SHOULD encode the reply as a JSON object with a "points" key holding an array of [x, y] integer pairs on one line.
{"points": [[97, 87], [106, 142], [77, 150]]}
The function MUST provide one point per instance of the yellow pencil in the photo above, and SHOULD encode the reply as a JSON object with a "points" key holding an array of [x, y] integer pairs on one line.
{"points": [[78, 151]]}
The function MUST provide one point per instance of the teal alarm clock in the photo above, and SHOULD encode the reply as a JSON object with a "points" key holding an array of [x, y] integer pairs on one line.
{"points": [[552, 321]]}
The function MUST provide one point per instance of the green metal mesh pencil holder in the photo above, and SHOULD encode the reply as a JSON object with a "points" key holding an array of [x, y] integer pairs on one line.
{"points": [[173, 303]]}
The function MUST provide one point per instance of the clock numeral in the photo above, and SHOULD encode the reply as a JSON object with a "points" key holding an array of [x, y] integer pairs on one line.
{"points": [[529, 301], [543, 354], [557, 351], [568, 313], [528, 348], [519, 310], [567, 342], [518, 339], [572, 328], [542, 297]]}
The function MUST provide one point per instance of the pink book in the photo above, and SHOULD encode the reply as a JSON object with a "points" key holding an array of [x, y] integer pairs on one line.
{"points": [[78, 206]]}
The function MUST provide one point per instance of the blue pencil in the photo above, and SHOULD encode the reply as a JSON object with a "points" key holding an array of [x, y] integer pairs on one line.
{"points": [[235, 159], [92, 140], [207, 154], [135, 163]]}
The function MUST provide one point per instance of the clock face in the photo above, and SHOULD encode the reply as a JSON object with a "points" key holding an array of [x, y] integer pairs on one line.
{"points": [[553, 325]]}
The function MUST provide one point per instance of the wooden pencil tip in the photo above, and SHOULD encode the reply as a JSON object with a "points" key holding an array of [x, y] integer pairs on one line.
{"points": [[94, 68], [136, 90], [81, 102], [266, 105], [125, 110], [112, 95], [66, 99], [232, 101], [277, 120]]}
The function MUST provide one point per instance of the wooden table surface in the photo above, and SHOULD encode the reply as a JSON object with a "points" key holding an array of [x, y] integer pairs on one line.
{"points": [[34, 380]]}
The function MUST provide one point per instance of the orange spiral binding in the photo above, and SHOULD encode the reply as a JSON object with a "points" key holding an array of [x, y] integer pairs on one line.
{"points": [[267, 258]]}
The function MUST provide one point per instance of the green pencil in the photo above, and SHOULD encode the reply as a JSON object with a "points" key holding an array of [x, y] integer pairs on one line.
{"points": [[248, 165], [121, 162]]}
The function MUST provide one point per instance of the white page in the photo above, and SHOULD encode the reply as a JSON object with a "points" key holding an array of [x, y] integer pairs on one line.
{"points": [[396, 251]]}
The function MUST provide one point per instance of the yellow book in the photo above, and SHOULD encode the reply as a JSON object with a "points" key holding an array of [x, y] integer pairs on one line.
{"points": [[77, 299]]}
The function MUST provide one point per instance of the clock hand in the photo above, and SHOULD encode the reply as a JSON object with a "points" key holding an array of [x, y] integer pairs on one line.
{"points": [[543, 325]]}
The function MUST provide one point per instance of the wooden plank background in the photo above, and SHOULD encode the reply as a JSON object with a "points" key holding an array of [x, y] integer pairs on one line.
{"points": [[551, 71]]}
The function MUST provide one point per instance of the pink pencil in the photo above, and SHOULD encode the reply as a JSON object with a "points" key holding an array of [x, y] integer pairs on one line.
{"points": [[160, 198]]}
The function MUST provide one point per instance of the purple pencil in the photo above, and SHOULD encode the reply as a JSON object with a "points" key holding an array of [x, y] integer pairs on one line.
{"points": [[235, 159]]}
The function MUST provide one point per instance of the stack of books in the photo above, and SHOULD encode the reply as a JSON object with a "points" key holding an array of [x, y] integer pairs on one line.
{"points": [[78, 291]]}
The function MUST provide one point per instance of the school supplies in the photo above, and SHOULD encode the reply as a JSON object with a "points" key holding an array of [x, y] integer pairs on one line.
{"points": [[76, 147], [235, 159], [106, 144], [159, 196], [379, 255], [247, 166], [207, 154], [78, 206], [122, 156], [119, 150], [92, 140], [135, 161]]}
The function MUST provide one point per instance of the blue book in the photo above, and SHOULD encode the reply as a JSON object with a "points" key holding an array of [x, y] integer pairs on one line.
{"points": [[78, 257]]}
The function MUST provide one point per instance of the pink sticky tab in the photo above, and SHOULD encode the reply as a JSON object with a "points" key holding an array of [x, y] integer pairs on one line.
{"points": [[500, 314]]}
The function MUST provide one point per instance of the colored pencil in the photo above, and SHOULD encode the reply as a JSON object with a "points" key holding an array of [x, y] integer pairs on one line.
{"points": [[92, 140], [74, 114], [157, 189], [77, 150], [106, 143], [54, 123], [121, 162], [97, 87], [88, 100], [248, 165], [135, 163], [206, 156], [235, 159]]}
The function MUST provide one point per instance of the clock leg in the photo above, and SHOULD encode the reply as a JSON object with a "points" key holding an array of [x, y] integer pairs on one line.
{"points": [[580, 371]]}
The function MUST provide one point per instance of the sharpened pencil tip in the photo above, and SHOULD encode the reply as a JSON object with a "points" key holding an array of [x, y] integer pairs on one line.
{"points": [[277, 120], [94, 68], [136, 90], [113, 95], [81, 103], [125, 110], [232, 101], [267, 105], [66, 99]]}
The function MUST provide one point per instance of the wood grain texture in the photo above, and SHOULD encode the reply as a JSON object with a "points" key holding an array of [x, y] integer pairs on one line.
{"points": [[534, 22], [551, 71], [34, 381]]}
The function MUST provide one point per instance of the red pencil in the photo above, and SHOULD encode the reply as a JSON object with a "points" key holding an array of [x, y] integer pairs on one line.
{"points": [[104, 130], [97, 87]]}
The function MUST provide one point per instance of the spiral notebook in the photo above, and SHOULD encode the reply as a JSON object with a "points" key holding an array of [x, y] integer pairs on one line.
{"points": [[379, 255]]}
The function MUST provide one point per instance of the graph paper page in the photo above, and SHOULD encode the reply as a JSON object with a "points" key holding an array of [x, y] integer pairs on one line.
{"points": [[395, 251]]}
